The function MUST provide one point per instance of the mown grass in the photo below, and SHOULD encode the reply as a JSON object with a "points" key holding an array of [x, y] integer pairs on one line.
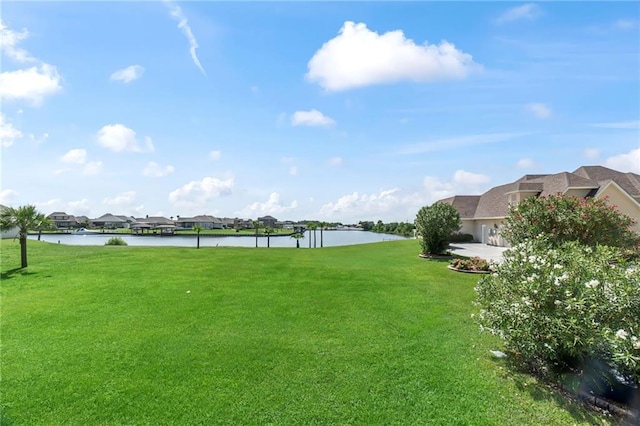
{"points": [[367, 334]]}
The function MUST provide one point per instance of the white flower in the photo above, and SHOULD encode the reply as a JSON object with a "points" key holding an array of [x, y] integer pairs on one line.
{"points": [[557, 302], [557, 266], [593, 284], [621, 334], [636, 342]]}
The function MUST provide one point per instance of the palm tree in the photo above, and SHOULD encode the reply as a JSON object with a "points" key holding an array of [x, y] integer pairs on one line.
{"points": [[297, 236], [312, 227], [322, 226], [197, 228], [46, 223], [23, 218], [268, 230], [256, 226]]}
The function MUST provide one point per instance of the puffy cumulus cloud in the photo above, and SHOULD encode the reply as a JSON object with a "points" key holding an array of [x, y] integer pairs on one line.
{"points": [[76, 207], [627, 162], [359, 57], [387, 205], [128, 74], [215, 155], [272, 206], [539, 110], [92, 168], [121, 200], [154, 169], [591, 153], [461, 183], [311, 118], [528, 12], [196, 194], [30, 84], [8, 133], [77, 156], [8, 196], [119, 138]]}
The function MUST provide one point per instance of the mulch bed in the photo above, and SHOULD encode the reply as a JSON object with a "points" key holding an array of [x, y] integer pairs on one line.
{"points": [[467, 271]]}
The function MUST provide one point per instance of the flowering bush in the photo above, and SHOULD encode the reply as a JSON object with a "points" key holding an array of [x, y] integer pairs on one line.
{"points": [[590, 221], [471, 264], [557, 307]]}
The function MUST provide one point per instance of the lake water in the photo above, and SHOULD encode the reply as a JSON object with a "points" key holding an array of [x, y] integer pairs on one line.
{"points": [[330, 239]]}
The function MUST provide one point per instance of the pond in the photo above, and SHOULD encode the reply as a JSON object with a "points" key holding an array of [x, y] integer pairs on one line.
{"points": [[330, 239]]}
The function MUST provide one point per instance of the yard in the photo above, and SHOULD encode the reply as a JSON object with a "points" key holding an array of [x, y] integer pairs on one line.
{"points": [[367, 334]]}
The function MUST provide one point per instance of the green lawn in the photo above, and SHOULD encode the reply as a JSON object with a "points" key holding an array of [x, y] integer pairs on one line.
{"points": [[367, 334]]}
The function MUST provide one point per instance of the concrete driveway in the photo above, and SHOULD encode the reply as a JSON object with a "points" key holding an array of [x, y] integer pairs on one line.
{"points": [[478, 249]]}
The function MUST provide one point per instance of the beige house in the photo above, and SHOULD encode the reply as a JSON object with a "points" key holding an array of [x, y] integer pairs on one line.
{"points": [[483, 215]]}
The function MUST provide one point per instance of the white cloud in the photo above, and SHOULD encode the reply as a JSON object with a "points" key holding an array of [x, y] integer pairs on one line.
{"points": [[8, 196], [8, 133], [293, 170], [360, 57], [196, 194], [92, 168], [272, 206], [30, 84], [539, 110], [128, 74], [77, 207], [9, 41], [215, 155], [388, 204], [335, 161], [526, 163], [529, 11], [592, 153], [119, 138], [183, 24], [154, 169], [618, 125], [121, 200], [77, 156], [311, 118], [628, 162], [467, 178]]}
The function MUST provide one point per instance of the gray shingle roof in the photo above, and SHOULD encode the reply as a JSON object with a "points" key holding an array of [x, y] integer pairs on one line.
{"points": [[465, 204]]}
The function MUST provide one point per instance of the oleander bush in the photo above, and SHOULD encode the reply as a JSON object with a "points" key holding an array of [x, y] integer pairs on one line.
{"points": [[115, 241], [558, 306], [471, 264], [589, 221], [434, 225]]}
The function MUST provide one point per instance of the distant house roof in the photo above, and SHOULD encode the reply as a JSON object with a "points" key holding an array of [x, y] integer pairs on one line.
{"points": [[157, 220], [267, 217], [495, 202], [109, 218], [199, 219], [129, 219]]}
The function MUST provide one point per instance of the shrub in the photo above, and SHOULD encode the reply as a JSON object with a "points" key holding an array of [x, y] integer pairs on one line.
{"points": [[471, 264], [458, 237], [435, 224], [558, 307], [116, 241], [590, 221]]}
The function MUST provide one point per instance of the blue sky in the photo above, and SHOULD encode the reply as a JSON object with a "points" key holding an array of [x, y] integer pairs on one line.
{"points": [[308, 110]]}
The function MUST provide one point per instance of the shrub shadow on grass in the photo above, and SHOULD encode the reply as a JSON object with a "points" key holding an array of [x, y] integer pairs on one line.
{"points": [[540, 390], [15, 271]]}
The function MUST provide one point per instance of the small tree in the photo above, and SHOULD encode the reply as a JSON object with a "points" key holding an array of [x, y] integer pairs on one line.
{"points": [[589, 221], [297, 236], [435, 224], [198, 229], [268, 231], [256, 226], [23, 218]]}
